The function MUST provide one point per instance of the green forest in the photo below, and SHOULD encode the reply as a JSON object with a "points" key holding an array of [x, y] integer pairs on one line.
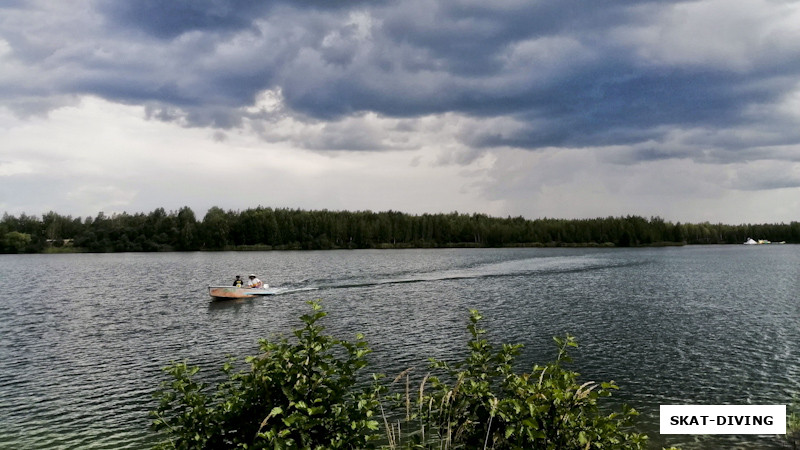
{"points": [[295, 229]]}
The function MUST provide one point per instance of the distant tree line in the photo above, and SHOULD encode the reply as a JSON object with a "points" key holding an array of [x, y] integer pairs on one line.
{"points": [[268, 228]]}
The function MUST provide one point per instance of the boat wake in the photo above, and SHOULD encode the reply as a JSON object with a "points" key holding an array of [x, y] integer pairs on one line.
{"points": [[531, 267]]}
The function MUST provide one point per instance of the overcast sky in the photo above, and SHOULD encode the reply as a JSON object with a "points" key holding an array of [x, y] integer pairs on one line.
{"points": [[688, 110]]}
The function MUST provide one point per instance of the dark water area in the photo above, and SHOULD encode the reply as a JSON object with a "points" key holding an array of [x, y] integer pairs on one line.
{"points": [[83, 337]]}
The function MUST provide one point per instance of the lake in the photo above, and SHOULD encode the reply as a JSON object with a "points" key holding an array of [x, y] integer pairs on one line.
{"points": [[83, 336]]}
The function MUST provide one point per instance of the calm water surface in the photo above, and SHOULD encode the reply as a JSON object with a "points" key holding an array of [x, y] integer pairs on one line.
{"points": [[83, 337]]}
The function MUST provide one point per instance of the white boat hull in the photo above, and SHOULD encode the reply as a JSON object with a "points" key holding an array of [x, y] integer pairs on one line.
{"points": [[228, 292]]}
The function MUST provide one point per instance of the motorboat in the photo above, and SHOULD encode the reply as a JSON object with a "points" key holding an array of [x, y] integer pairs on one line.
{"points": [[750, 241]]}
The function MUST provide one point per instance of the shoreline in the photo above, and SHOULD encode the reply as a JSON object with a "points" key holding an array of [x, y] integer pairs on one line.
{"points": [[385, 246]]}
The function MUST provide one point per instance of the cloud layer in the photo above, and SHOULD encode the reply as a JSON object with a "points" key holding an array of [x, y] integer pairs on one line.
{"points": [[624, 84]]}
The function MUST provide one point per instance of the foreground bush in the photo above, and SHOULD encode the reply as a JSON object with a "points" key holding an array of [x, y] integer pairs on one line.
{"points": [[793, 424], [484, 404], [294, 395], [303, 394]]}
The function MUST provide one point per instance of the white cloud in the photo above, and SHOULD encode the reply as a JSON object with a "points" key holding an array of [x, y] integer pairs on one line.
{"points": [[11, 168], [543, 58], [714, 33], [109, 157], [789, 105], [582, 184], [101, 197]]}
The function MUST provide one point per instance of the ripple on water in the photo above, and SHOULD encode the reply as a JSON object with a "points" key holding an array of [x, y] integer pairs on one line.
{"points": [[81, 351]]}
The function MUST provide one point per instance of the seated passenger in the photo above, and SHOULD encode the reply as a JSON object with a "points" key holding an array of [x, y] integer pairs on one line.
{"points": [[254, 282]]}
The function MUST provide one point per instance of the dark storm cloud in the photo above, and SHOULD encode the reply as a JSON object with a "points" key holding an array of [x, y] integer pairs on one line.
{"points": [[168, 19], [618, 106], [563, 71]]}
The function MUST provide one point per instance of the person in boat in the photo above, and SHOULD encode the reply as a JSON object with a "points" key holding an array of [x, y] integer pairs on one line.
{"points": [[254, 282], [238, 282]]}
